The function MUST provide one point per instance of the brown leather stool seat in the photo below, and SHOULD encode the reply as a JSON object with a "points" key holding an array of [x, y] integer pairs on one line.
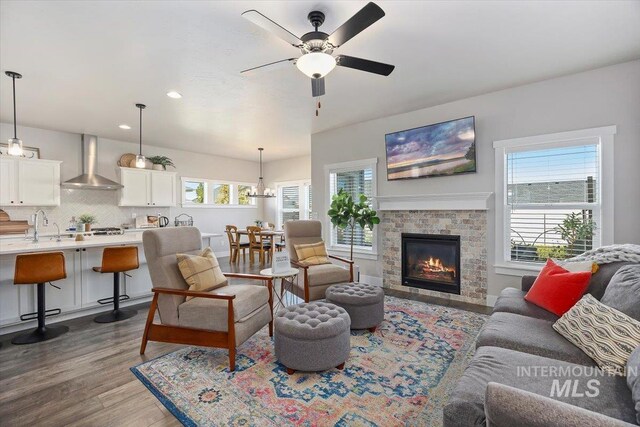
{"points": [[117, 260], [40, 268]]}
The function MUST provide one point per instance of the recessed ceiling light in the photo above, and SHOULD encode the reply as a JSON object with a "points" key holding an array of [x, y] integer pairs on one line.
{"points": [[173, 94], [126, 127]]}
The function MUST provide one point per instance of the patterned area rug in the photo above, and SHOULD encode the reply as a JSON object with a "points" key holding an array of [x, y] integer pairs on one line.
{"points": [[401, 375]]}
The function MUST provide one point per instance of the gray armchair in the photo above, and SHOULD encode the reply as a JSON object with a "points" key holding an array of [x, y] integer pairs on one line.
{"points": [[313, 280], [223, 318]]}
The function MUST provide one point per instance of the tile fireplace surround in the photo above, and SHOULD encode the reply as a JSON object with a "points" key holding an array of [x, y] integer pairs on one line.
{"points": [[447, 215]]}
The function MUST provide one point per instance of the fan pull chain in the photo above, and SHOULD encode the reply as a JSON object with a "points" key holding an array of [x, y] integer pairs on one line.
{"points": [[318, 106]]}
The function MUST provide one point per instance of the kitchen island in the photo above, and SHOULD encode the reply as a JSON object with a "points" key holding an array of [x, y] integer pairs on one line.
{"points": [[80, 291]]}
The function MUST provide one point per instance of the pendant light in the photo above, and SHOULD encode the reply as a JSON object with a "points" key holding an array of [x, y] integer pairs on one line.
{"points": [[15, 144], [141, 161], [260, 191]]}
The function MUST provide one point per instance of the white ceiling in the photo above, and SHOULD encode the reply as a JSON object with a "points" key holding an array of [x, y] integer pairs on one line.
{"points": [[86, 64]]}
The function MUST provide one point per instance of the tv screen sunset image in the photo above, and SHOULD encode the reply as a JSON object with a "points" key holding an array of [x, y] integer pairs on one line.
{"points": [[446, 148]]}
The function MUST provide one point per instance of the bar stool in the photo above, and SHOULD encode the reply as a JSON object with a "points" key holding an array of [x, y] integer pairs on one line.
{"points": [[40, 268], [117, 260]]}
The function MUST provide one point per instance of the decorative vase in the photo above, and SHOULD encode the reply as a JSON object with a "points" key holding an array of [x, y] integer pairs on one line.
{"points": [[156, 167], [87, 227]]}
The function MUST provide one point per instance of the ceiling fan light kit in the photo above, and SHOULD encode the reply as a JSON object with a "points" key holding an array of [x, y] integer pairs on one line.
{"points": [[317, 47], [316, 64]]}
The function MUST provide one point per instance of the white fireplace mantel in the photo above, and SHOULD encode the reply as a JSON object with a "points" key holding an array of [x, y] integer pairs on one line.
{"points": [[435, 202]]}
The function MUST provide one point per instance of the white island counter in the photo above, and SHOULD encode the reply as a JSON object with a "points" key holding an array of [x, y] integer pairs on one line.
{"points": [[83, 287]]}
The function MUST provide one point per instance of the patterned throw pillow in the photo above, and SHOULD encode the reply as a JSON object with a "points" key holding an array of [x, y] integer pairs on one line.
{"points": [[603, 333], [202, 272], [312, 254]]}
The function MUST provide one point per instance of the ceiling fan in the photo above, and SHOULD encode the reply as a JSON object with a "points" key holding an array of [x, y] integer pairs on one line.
{"points": [[317, 47]]}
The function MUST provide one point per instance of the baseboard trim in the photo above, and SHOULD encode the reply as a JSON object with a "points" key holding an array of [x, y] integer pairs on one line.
{"points": [[491, 300], [69, 315]]}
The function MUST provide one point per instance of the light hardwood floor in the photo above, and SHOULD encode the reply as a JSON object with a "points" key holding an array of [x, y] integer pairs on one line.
{"points": [[83, 379]]}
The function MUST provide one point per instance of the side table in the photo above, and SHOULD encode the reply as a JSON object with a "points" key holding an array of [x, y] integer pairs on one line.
{"points": [[288, 274]]}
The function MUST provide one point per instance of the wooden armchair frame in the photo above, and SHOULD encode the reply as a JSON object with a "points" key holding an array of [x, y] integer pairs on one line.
{"points": [[305, 269], [201, 337]]}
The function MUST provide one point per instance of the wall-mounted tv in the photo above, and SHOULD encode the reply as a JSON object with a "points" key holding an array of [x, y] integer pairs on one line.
{"points": [[441, 149]]}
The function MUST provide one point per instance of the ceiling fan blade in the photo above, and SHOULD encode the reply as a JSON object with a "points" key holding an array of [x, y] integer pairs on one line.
{"points": [[354, 25], [317, 87], [364, 65], [272, 26], [271, 65]]}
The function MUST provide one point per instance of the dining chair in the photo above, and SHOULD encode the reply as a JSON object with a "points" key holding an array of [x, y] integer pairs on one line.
{"points": [[235, 246], [259, 243]]}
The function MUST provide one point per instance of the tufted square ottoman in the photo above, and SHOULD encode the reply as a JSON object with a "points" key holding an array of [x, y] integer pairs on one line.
{"points": [[312, 336], [364, 303]]}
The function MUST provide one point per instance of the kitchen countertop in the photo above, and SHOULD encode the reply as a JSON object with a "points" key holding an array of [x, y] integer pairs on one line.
{"points": [[19, 245]]}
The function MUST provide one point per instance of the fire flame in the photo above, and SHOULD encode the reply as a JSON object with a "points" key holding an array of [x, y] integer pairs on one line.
{"points": [[435, 265]]}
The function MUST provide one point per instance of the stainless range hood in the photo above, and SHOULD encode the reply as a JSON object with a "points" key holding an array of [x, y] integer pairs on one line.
{"points": [[90, 180]]}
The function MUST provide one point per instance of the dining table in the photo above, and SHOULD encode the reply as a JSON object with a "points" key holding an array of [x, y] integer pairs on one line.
{"points": [[265, 232]]}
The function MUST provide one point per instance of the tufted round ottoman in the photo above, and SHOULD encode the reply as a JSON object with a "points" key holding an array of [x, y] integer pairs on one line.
{"points": [[312, 336], [364, 303]]}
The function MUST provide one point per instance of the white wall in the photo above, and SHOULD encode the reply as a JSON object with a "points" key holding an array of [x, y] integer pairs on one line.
{"points": [[67, 148], [293, 169], [606, 96]]}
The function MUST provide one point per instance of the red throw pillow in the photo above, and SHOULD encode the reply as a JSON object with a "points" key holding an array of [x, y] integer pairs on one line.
{"points": [[557, 289]]}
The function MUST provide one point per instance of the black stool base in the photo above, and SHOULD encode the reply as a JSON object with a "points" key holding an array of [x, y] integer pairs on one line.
{"points": [[115, 316], [40, 334]]}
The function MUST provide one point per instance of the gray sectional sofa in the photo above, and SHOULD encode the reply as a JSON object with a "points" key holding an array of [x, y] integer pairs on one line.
{"points": [[522, 363]]}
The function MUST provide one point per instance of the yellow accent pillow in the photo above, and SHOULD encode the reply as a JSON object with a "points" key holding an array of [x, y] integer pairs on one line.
{"points": [[312, 254], [202, 272]]}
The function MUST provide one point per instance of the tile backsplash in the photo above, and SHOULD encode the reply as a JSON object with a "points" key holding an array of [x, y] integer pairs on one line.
{"points": [[73, 202]]}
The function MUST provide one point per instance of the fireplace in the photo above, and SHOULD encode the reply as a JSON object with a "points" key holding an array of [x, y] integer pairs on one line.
{"points": [[431, 261]]}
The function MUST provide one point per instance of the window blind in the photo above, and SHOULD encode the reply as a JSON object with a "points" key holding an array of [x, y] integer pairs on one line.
{"points": [[552, 201], [353, 182]]}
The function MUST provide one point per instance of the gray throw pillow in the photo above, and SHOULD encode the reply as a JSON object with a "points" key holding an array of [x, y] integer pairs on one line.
{"points": [[623, 292], [633, 379]]}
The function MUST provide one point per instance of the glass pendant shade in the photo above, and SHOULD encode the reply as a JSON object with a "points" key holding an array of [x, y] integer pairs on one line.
{"points": [[141, 161], [14, 144], [15, 147], [316, 64]]}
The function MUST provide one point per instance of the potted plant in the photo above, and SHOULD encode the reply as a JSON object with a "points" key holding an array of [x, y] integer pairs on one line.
{"points": [[345, 213], [87, 220], [577, 230], [160, 163]]}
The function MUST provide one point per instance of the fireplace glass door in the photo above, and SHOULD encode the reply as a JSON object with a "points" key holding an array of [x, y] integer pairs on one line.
{"points": [[431, 262]]}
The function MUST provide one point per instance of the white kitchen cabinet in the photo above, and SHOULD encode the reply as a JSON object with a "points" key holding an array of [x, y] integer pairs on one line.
{"points": [[163, 188], [29, 182], [68, 297], [95, 285], [143, 187], [8, 185]]}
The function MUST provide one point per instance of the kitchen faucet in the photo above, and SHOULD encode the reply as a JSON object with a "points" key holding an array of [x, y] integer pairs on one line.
{"points": [[45, 222], [58, 238]]}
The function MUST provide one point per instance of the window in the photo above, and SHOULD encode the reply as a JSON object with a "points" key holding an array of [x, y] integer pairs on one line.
{"points": [[355, 178], [195, 192], [210, 193], [243, 197], [294, 201], [221, 194], [552, 195]]}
